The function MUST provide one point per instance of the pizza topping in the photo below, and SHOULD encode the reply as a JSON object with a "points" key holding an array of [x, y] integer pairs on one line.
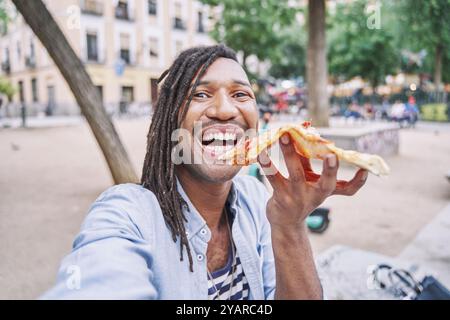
{"points": [[306, 124]]}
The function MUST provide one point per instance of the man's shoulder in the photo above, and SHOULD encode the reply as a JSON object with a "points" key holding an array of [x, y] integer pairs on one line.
{"points": [[124, 202], [128, 192]]}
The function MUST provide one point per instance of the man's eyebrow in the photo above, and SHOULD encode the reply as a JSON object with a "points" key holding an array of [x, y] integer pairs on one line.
{"points": [[243, 83]]}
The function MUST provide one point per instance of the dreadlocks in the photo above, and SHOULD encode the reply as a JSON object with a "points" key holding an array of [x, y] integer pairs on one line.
{"points": [[158, 174]]}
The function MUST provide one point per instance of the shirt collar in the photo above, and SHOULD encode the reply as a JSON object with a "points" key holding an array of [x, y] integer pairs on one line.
{"points": [[195, 221]]}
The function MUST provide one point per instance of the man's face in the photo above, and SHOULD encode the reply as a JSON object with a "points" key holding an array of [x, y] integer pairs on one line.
{"points": [[223, 107]]}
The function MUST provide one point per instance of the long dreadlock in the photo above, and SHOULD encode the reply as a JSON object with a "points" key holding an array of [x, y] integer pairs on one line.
{"points": [[158, 174]]}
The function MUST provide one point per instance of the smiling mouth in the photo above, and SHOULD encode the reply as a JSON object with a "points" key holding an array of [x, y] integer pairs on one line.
{"points": [[216, 142]]}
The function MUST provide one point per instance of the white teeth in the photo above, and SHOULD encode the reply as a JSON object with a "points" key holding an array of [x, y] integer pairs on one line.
{"points": [[208, 137], [219, 136]]}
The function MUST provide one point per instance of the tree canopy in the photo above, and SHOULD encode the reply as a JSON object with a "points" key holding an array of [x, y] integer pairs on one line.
{"points": [[253, 27], [426, 25], [357, 50]]}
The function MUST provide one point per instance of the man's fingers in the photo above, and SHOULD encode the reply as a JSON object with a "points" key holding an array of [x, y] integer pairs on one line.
{"points": [[351, 187], [306, 163], [293, 163], [270, 171], [327, 181]]}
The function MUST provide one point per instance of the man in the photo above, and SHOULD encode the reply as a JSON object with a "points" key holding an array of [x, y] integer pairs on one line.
{"points": [[240, 243]]}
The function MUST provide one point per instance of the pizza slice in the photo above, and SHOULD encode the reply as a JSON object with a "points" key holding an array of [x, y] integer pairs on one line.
{"points": [[308, 144]]}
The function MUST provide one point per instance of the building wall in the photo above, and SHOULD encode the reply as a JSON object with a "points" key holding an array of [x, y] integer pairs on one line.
{"points": [[143, 31]]}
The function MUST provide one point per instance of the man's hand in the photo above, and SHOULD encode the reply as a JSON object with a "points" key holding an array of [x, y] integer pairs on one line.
{"points": [[294, 198]]}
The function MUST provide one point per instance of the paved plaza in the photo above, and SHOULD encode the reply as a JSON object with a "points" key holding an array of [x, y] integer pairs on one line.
{"points": [[50, 174]]}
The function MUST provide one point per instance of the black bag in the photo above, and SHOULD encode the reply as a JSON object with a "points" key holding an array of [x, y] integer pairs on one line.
{"points": [[403, 285]]}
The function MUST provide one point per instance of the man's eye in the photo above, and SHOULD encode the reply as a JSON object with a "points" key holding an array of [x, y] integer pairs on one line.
{"points": [[241, 94], [201, 95]]}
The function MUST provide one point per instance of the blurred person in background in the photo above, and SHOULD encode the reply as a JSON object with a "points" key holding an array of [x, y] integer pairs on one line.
{"points": [[353, 111], [398, 111], [368, 110], [411, 111]]}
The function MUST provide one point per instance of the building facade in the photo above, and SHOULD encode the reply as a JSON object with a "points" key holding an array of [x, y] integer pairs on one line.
{"points": [[124, 44]]}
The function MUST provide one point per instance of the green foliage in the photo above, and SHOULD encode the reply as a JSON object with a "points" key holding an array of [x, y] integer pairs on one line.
{"points": [[253, 27], [426, 25], [4, 18], [355, 49], [7, 88], [435, 112], [288, 59]]}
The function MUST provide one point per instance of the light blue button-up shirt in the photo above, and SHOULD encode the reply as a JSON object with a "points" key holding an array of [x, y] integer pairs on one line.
{"points": [[125, 249]]}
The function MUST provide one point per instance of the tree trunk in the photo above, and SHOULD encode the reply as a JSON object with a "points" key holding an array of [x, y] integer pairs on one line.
{"points": [[88, 98], [438, 67], [316, 65]]}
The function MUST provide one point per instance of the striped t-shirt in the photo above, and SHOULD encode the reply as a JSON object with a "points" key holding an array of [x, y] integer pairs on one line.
{"points": [[228, 283]]}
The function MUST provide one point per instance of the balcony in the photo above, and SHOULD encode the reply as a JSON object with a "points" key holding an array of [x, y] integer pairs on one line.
{"points": [[125, 55], [122, 13], [178, 24], [6, 67], [30, 62], [92, 7]]}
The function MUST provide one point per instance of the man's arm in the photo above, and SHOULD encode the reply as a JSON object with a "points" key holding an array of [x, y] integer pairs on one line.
{"points": [[110, 258], [296, 275], [293, 199]]}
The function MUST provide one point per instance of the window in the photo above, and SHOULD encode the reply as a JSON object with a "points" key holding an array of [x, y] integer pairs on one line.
{"points": [[152, 7], [92, 7], [21, 92], [127, 94], [100, 90], [30, 59], [19, 51], [125, 48], [122, 10], [154, 52], [178, 21], [125, 55], [92, 50], [31, 48], [6, 55], [6, 66], [51, 104], [34, 90], [200, 27]]}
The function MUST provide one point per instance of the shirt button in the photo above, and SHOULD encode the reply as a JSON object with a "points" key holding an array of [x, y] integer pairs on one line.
{"points": [[203, 232], [200, 257]]}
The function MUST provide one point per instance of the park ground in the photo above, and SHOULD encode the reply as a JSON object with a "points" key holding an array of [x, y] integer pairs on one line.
{"points": [[49, 176]]}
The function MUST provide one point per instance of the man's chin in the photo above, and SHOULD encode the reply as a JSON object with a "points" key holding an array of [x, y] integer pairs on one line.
{"points": [[214, 173]]}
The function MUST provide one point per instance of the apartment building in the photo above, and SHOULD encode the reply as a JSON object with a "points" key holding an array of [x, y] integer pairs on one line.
{"points": [[124, 44]]}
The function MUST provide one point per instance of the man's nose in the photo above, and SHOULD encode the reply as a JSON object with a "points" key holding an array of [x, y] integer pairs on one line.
{"points": [[222, 108]]}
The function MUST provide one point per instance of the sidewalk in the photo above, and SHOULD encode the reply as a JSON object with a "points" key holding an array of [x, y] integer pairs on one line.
{"points": [[431, 246], [41, 122], [49, 178], [345, 271]]}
